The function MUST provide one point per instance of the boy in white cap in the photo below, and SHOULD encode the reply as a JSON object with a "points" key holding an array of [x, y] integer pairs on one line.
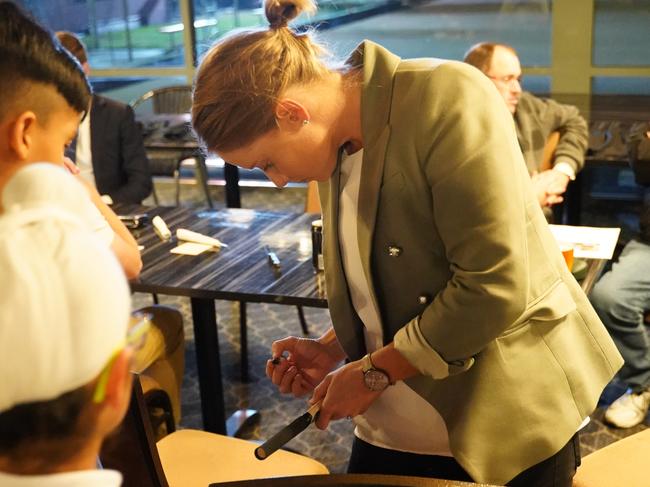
{"points": [[65, 354]]}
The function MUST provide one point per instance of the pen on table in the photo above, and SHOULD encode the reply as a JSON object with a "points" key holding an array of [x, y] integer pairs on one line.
{"points": [[273, 258]]}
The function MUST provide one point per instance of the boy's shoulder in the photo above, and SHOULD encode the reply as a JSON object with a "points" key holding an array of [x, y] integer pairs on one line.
{"points": [[42, 182], [47, 184]]}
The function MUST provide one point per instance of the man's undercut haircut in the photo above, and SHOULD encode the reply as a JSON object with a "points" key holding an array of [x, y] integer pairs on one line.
{"points": [[30, 54], [72, 43]]}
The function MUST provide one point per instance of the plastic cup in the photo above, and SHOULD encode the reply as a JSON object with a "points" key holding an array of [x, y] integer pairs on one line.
{"points": [[567, 253]]}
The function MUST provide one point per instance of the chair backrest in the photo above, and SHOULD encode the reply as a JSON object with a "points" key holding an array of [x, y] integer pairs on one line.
{"points": [[348, 480], [132, 449], [549, 151], [170, 99], [312, 203]]}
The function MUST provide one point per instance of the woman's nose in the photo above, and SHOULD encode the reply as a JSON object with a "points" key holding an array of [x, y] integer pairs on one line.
{"points": [[279, 180]]}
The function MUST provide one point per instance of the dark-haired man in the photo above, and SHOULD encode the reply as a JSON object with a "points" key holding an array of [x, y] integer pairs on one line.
{"points": [[50, 95], [535, 119], [108, 148]]}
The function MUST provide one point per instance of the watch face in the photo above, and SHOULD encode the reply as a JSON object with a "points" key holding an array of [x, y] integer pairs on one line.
{"points": [[375, 380]]}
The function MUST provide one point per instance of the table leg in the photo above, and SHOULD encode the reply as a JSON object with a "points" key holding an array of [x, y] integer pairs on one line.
{"points": [[243, 342], [231, 175], [208, 362]]}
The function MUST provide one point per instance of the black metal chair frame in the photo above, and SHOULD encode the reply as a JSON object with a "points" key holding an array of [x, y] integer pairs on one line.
{"points": [[170, 99]]}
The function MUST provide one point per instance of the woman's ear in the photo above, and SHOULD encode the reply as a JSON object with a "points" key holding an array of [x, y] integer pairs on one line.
{"points": [[21, 134], [291, 115]]}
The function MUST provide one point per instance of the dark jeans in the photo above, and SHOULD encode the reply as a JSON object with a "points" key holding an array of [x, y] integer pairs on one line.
{"points": [[556, 471]]}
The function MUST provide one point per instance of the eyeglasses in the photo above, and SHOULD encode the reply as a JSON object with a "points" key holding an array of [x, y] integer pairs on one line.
{"points": [[135, 339], [507, 80]]}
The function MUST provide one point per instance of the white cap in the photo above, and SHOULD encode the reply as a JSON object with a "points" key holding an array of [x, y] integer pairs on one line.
{"points": [[64, 305]]}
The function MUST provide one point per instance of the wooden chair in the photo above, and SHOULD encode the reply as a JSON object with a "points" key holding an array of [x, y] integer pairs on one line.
{"points": [[624, 463], [351, 480], [549, 151], [190, 458], [312, 203]]}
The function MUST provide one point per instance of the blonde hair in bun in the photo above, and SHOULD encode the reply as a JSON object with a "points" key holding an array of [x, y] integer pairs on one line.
{"points": [[242, 76], [280, 12]]}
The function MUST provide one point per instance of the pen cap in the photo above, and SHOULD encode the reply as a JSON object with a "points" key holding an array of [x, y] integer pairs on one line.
{"points": [[161, 228]]}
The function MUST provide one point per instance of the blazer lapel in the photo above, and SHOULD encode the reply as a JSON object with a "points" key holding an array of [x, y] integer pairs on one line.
{"points": [[379, 67], [371, 177], [350, 337]]}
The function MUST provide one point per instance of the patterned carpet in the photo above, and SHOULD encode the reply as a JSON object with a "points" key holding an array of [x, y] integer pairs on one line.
{"points": [[269, 322]]}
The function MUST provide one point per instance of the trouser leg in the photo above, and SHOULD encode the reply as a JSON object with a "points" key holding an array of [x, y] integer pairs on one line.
{"points": [[621, 298]]}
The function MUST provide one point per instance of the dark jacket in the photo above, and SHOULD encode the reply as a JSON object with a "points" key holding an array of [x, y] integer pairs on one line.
{"points": [[120, 162], [536, 118]]}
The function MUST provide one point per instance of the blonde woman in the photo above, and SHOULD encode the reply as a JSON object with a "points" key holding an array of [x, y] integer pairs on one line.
{"points": [[486, 355]]}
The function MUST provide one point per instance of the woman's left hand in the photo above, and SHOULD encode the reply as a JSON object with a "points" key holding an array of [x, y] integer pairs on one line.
{"points": [[343, 393]]}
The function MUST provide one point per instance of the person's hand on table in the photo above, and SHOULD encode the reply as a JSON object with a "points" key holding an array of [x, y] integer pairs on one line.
{"points": [[307, 362], [343, 394]]}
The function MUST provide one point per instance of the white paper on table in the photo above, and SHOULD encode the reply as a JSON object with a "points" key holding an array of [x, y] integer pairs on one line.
{"points": [[588, 242], [191, 248]]}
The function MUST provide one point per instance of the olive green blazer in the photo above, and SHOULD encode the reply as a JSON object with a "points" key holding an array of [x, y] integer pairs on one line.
{"points": [[474, 291]]}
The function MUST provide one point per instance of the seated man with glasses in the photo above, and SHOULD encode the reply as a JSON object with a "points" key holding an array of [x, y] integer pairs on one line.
{"points": [[536, 119], [66, 352]]}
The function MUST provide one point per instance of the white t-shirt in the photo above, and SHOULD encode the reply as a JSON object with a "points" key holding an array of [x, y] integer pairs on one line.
{"points": [[399, 419], [81, 478], [47, 183], [83, 152]]}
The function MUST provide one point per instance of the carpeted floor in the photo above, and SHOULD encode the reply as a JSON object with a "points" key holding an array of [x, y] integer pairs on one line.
{"points": [[270, 322]]}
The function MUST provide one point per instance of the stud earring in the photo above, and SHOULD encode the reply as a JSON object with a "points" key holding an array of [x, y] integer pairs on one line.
{"points": [[305, 122]]}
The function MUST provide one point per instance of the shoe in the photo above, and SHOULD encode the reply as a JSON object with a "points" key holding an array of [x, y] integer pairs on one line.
{"points": [[629, 410]]}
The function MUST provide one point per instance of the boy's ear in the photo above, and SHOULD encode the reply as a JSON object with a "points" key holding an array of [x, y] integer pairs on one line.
{"points": [[290, 114], [21, 134], [118, 387]]}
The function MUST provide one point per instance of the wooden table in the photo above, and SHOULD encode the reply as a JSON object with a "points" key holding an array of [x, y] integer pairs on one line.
{"points": [[240, 272]]}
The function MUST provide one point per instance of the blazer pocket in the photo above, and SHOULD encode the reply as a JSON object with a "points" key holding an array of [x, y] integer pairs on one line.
{"points": [[553, 305]]}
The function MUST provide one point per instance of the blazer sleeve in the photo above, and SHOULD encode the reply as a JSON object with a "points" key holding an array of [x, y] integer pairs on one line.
{"points": [[134, 162], [468, 149], [574, 133]]}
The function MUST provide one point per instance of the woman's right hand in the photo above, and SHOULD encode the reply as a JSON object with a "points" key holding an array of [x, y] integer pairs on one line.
{"points": [[306, 363]]}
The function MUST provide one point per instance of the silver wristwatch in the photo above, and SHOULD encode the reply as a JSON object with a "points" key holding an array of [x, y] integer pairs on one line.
{"points": [[374, 379]]}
